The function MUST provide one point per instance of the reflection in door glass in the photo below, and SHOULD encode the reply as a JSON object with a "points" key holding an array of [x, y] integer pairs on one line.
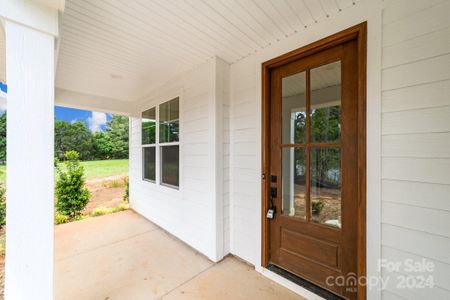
{"points": [[293, 107], [326, 186], [326, 103], [294, 188]]}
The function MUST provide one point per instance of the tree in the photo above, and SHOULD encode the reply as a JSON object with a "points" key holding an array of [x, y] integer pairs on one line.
{"points": [[3, 137], [73, 136], [117, 132], [104, 148], [61, 128]]}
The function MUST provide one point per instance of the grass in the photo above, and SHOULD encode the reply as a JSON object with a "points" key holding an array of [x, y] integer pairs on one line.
{"points": [[105, 168], [100, 211], [92, 169]]}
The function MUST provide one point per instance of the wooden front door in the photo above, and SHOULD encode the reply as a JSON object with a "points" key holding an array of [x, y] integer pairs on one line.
{"points": [[313, 167]]}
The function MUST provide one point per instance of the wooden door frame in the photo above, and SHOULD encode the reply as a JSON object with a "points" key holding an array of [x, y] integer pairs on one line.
{"points": [[358, 33]]}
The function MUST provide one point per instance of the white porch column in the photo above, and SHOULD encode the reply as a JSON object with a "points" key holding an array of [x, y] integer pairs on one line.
{"points": [[30, 134]]}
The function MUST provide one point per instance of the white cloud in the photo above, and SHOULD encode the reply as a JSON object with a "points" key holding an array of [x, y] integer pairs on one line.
{"points": [[97, 120], [2, 102]]}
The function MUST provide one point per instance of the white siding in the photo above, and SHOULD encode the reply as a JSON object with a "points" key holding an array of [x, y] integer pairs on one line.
{"points": [[416, 142], [224, 74], [195, 212]]}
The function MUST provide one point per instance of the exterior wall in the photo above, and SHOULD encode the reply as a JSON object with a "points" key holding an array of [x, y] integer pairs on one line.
{"points": [[224, 73], [408, 133], [416, 141], [195, 212]]}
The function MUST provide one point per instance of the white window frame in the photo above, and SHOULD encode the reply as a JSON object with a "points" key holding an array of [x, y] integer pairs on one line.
{"points": [[158, 146], [154, 145]]}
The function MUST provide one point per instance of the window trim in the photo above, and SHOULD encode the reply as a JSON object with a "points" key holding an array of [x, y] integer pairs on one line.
{"points": [[161, 169], [143, 160], [158, 146]]}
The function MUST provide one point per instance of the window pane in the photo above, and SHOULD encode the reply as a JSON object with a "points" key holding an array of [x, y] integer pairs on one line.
{"points": [[293, 194], [149, 163], [170, 165], [149, 126], [169, 121], [293, 107], [326, 103], [326, 186]]}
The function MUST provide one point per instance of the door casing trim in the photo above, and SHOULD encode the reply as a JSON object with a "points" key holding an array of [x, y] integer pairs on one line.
{"points": [[358, 33]]}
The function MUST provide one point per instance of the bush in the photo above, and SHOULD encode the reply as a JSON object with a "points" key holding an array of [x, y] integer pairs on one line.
{"points": [[61, 219], [2, 206], [317, 207], [126, 197], [71, 193]]}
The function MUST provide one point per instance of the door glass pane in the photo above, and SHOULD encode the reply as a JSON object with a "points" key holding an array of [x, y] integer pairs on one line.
{"points": [[169, 121], [149, 163], [170, 160], [149, 126], [293, 193], [293, 107], [326, 103], [326, 186]]}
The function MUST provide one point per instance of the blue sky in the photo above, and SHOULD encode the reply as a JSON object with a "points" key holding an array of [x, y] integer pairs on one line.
{"points": [[95, 121]]}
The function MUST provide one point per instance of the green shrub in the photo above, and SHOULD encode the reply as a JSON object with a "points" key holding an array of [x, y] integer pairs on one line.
{"points": [[317, 207], [126, 197], [61, 219], [71, 193], [2, 206]]}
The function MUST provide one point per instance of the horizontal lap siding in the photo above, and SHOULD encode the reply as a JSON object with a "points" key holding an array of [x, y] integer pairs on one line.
{"points": [[187, 213], [416, 142], [226, 162], [245, 163]]}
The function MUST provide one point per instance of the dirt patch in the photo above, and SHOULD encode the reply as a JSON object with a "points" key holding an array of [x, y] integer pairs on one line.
{"points": [[105, 192]]}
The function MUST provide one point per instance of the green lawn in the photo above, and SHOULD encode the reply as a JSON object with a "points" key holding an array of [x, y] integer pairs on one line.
{"points": [[105, 168], [92, 169]]}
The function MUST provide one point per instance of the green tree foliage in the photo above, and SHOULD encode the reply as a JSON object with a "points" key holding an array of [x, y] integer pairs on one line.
{"points": [[325, 127], [3, 137], [109, 144], [103, 145], [71, 193], [2, 206], [75, 137], [117, 133]]}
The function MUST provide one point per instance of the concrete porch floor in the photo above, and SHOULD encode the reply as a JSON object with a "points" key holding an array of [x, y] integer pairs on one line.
{"points": [[124, 256]]}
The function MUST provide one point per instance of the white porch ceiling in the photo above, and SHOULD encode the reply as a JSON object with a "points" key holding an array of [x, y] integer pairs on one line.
{"points": [[122, 49]]}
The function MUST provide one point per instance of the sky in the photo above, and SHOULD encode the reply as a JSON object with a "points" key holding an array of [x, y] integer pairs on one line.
{"points": [[95, 121]]}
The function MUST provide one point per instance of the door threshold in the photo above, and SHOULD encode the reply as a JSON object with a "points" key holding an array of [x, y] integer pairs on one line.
{"points": [[311, 287]]}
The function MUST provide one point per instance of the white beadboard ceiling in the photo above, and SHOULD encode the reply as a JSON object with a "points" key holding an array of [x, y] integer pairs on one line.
{"points": [[123, 49]]}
